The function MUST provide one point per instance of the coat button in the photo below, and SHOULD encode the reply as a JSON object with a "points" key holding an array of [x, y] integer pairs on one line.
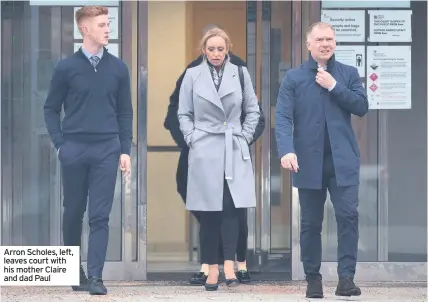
{"points": [[225, 123]]}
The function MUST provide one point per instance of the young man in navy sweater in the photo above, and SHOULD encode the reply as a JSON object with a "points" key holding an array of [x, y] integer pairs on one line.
{"points": [[95, 137]]}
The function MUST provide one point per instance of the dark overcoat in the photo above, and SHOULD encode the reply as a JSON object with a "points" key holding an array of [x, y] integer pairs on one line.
{"points": [[302, 111]]}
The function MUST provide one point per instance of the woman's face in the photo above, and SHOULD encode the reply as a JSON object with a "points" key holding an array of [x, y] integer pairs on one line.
{"points": [[215, 50]]}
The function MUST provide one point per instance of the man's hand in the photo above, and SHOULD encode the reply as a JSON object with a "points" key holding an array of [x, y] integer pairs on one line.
{"points": [[125, 164], [324, 78], [289, 161]]}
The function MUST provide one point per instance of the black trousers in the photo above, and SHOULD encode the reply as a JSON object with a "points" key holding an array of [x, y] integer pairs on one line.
{"points": [[220, 230], [241, 250], [345, 203], [89, 170]]}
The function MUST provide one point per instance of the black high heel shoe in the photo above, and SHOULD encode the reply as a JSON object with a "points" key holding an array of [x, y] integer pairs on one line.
{"points": [[232, 282], [211, 287]]}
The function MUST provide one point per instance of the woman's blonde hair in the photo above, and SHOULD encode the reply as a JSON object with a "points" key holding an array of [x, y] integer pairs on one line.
{"points": [[215, 32]]}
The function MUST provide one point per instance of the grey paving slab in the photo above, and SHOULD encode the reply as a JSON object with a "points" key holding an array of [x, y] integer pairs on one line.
{"points": [[173, 291]]}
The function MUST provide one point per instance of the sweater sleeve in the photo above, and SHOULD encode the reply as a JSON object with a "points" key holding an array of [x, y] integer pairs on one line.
{"points": [[125, 112], [53, 104]]}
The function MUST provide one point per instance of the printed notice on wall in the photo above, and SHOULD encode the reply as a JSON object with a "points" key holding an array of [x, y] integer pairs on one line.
{"points": [[40, 265], [390, 26], [349, 25], [113, 16], [389, 77], [112, 48], [353, 55]]}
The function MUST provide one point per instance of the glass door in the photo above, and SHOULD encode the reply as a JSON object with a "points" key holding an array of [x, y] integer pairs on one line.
{"points": [[269, 56]]}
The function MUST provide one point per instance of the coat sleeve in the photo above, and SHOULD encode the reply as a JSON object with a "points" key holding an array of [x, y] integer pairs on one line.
{"points": [[251, 108], [171, 121], [284, 114], [185, 111], [53, 104], [354, 99]]}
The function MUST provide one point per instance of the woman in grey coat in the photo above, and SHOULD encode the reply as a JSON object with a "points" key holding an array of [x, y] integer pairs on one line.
{"points": [[220, 176]]}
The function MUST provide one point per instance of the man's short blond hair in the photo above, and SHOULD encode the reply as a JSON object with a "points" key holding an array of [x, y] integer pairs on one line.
{"points": [[89, 12], [318, 25]]}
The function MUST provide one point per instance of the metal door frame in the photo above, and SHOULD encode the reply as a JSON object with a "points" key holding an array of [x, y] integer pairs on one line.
{"points": [[1, 128]]}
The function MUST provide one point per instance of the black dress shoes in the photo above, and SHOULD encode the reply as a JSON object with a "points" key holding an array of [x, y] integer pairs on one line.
{"points": [[84, 283], [198, 279], [243, 277], [96, 286], [314, 288], [347, 288]]}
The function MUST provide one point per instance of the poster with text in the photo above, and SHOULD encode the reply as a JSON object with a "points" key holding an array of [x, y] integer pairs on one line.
{"points": [[390, 26], [389, 74], [112, 48], [73, 2], [113, 16], [353, 55], [349, 25]]}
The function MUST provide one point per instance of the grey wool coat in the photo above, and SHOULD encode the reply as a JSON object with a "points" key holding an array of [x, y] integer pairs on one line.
{"points": [[218, 142]]}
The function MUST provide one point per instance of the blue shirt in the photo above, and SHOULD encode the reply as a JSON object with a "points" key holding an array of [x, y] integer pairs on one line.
{"points": [[89, 55]]}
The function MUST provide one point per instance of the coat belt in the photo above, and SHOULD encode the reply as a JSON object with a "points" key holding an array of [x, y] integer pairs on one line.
{"points": [[229, 132], [228, 168]]}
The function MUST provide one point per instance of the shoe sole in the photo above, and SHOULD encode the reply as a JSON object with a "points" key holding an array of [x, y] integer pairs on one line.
{"points": [[97, 293], [81, 288], [316, 296], [350, 293], [194, 283]]}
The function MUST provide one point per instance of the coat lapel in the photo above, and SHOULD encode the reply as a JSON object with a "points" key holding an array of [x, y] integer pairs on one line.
{"points": [[227, 85], [207, 90]]}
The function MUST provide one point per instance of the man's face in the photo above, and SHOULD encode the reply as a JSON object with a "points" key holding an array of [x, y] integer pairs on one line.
{"points": [[321, 43], [97, 29]]}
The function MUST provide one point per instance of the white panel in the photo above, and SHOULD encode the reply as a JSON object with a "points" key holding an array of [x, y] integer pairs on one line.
{"points": [[73, 3]]}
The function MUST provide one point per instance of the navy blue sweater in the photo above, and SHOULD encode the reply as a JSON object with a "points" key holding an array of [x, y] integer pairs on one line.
{"points": [[97, 101]]}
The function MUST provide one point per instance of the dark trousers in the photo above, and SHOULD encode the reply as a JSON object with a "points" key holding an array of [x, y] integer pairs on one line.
{"points": [[241, 250], [216, 227], [89, 170], [345, 204]]}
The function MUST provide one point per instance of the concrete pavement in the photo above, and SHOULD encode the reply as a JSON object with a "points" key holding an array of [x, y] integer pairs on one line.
{"points": [[175, 291]]}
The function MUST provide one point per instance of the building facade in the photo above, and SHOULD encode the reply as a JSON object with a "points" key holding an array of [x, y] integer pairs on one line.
{"points": [[151, 232]]}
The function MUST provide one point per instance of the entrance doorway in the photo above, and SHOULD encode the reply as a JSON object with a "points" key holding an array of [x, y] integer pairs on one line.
{"points": [[174, 31]]}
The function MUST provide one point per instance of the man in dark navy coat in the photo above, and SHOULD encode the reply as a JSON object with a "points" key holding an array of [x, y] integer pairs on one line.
{"points": [[172, 124], [316, 142]]}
